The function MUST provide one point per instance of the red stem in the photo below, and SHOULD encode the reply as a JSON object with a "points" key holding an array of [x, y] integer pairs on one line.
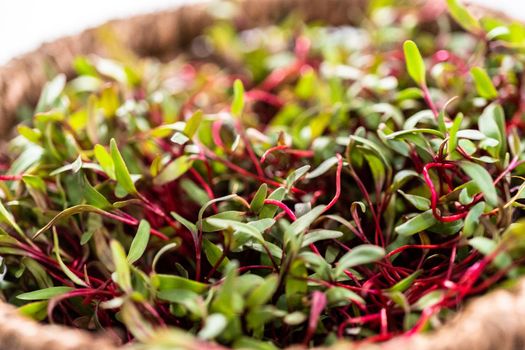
{"points": [[428, 100], [283, 206], [271, 150], [337, 183], [435, 196], [246, 173], [10, 177]]}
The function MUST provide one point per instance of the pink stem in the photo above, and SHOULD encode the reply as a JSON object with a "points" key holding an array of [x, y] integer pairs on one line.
{"points": [[286, 149], [205, 185], [246, 173], [271, 150], [434, 194], [216, 133], [283, 206], [337, 183], [360, 319], [428, 100], [10, 177], [264, 96], [420, 246]]}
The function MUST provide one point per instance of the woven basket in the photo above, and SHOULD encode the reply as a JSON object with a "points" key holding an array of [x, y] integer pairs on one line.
{"points": [[494, 321]]}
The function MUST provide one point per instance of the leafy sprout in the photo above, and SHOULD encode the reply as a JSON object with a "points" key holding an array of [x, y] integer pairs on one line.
{"points": [[287, 184]]}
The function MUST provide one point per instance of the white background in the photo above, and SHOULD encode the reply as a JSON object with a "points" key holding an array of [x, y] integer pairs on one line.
{"points": [[26, 23]]}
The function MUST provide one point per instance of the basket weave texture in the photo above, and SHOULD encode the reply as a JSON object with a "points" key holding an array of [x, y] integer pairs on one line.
{"points": [[493, 322]]}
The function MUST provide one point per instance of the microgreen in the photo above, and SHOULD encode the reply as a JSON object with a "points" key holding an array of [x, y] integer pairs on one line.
{"points": [[293, 184]]}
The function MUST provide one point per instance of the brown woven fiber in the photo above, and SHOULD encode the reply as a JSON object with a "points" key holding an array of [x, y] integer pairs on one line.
{"points": [[494, 321]]}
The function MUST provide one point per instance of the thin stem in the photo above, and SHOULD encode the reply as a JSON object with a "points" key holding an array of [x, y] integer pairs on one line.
{"points": [[283, 206], [428, 100], [337, 183]]}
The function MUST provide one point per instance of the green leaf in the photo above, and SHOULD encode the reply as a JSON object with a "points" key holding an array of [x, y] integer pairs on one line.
{"points": [[411, 93], [213, 326], [169, 282], [31, 155], [173, 170], [446, 228], [306, 86], [463, 16], [481, 177], [483, 244], [190, 300], [257, 202], [374, 148], [196, 193], [376, 167], [416, 224], [254, 344], [228, 215], [137, 325], [72, 276], [213, 254], [429, 300], [514, 143], [339, 296], [399, 134], [36, 310], [237, 226], [414, 62], [400, 300], [472, 219], [121, 170], [104, 159], [402, 177], [94, 224], [179, 138], [470, 134], [295, 176], [466, 196], [161, 251], [405, 283], [302, 223], [50, 93], [498, 32], [268, 211], [77, 209], [296, 286], [295, 318], [34, 182], [228, 301], [7, 217], [186, 223], [420, 203], [492, 124], [360, 255], [193, 124], [140, 242], [483, 83], [42, 277], [33, 135], [94, 197], [322, 168], [264, 292], [208, 204], [238, 98], [453, 137], [44, 294], [486, 246], [122, 271], [319, 235]]}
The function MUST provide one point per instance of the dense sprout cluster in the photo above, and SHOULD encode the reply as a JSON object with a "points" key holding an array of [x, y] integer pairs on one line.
{"points": [[287, 184]]}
